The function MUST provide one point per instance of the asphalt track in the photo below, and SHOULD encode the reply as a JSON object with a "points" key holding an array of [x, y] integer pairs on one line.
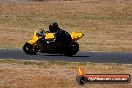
{"points": [[96, 57]]}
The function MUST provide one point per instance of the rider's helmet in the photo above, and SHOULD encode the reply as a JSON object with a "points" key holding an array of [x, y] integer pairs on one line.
{"points": [[53, 27]]}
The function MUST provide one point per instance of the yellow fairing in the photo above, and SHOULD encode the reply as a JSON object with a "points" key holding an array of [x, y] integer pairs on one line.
{"points": [[75, 36], [35, 38], [48, 36]]}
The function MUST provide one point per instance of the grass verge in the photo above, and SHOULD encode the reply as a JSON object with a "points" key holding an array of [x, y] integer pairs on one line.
{"points": [[54, 74]]}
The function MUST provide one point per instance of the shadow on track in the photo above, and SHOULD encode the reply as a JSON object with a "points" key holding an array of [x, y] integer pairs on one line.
{"points": [[80, 56], [64, 55], [52, 55]]}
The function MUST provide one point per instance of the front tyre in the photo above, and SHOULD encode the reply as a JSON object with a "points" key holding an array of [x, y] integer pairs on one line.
{"points": [[72, 50], [29, 49]]}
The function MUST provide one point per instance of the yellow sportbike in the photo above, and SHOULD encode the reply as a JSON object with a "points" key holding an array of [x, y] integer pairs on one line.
{"points": [[40, 43]]}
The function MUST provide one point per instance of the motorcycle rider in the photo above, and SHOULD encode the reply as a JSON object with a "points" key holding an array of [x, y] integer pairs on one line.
{"points": [[61, 36]]}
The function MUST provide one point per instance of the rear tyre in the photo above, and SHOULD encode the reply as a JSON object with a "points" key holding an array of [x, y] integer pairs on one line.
{"points": [[72, 50], [29, 49]]}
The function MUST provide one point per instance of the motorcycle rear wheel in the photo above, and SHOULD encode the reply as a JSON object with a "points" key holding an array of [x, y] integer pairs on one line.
{"points": [[29, 49], [74, 48]]}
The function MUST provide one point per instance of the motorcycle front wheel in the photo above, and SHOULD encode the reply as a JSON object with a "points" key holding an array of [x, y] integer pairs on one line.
{"points": [[29, 49]]}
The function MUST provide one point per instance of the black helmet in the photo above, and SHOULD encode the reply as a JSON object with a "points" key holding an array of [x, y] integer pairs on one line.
{"points": [[53, 27]]}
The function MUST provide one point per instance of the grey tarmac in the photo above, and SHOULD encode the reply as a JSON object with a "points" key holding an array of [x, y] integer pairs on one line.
{"points": [[94, 57]]}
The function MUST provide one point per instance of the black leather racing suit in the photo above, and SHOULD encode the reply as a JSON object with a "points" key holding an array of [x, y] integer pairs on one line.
{"points": [[62, 39]]}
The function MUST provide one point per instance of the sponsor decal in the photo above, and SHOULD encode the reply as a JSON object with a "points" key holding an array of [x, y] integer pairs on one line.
{"points": [[83, 78]]}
